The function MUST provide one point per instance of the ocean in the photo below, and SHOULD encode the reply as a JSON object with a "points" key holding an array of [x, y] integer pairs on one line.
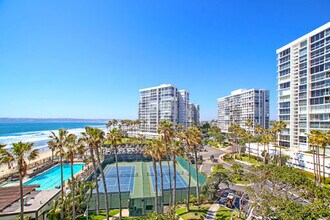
{"points": [[38, 132]]}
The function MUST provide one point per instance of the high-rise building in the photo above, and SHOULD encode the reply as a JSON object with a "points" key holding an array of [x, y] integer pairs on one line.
{"points": [[303, 74], [193, 114], [164, 102], [242, 105]]}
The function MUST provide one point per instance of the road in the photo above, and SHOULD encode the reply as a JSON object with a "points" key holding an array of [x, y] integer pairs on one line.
{"points": [[207, 163]]}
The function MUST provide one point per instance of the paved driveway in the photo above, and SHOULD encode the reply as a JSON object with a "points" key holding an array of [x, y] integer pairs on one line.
{"points": [[208, 164]]}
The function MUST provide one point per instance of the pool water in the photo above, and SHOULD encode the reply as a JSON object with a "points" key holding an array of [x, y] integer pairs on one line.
{"points": [[52, 177]]}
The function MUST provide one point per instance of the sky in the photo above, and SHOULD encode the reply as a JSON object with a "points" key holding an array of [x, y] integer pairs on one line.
{"points": [[88, 59]]}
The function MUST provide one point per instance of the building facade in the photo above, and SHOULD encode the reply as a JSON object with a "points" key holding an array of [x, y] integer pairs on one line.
{"points": [[303, 74], [164, 102], [242, 105], [193, 114]]}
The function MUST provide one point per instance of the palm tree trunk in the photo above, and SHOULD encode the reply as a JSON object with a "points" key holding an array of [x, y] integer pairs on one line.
{"points": [[319, 159], [314, 165], [275, 143], [72, 186], [324, 163], [161, 185], [170, 178], [264, 154], [280, 149], [52, 156], [97, 201], [103, 181], [249, 150], [62, 188], [118, 180], [174, 179], [188, 189], [258, 147], [21, 192], [197, 184], [156, 185]]}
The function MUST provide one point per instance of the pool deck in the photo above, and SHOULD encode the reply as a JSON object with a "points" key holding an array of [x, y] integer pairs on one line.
{"points": [[27, 178]]}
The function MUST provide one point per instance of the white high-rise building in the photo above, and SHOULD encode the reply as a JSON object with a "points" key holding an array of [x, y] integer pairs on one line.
{"points": [[164, 102], [303, 74], [193, 114], [242, 105], [183, 96]]}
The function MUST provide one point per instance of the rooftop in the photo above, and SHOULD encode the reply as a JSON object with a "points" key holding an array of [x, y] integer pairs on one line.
{"points": [[35, 199]]}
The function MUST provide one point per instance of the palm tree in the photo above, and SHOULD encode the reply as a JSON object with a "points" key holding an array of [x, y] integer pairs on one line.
{"points": [[114, 138], [150, 149], [249, 125], [259, 130], [320, 140], [188, 143], [166, 129], [58, 142], [18, 154], [195, 136], [52, 146], [94, 138], [73, 148], [281, 125], [266, 139], [85, 141], [177, 150], [160, 153]]}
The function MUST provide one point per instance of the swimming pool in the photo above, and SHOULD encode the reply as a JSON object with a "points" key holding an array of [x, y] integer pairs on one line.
{"points": [[52, 177]]}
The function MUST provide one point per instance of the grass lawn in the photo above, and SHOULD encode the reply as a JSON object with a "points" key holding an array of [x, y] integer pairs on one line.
{"points": [[102, 215], [252, 160], [223, 214], [196, 212]]}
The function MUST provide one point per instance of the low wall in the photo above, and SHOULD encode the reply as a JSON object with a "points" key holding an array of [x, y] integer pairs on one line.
{"points": [[185, 165]]}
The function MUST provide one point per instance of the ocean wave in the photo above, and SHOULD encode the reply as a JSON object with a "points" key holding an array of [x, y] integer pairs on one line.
{"points": [[39, 138]]}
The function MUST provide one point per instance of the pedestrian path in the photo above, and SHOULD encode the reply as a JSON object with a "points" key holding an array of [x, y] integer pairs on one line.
{"points": [[212, 212]]}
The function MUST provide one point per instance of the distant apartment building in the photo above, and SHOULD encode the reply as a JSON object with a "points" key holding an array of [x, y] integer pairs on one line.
{"points": [[303, 74], [193, 114], [165, 102], [242, 105]]}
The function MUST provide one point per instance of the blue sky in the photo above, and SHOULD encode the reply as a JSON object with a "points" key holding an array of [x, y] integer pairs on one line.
{"points": [[88, 59]]}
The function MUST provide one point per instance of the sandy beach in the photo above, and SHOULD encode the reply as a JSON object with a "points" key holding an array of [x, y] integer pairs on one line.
{"points": [[43, 156]]}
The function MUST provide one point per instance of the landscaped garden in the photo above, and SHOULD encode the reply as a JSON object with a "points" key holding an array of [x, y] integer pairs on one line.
{"points": [[196, 212]]}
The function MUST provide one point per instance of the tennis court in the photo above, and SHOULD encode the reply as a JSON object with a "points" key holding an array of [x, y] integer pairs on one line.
{"points": [[126, 174], [180, 181]]}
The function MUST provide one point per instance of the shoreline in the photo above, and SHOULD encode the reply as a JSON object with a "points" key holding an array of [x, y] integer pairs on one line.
{"points": [[43, 157]]}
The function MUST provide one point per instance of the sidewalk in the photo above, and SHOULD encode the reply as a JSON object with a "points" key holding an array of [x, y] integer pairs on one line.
{"points": [[211, 213]]}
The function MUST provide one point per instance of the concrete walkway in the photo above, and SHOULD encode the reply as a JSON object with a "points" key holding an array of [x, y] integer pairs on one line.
{"points": [[212, 211], [124, 212]]}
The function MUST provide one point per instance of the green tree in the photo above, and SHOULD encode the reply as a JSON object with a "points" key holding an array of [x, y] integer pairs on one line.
{"points": [[18, 154], [319, 139], [249, 125], [281, 125], [195, 135], [177, 150], [58, 142], [73, 148], [166, 130], [150, 149], [115, 138], [94, 138], [259, 130]]}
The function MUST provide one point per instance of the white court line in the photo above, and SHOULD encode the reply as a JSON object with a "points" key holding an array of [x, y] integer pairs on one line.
{"points": [[130, 177]]}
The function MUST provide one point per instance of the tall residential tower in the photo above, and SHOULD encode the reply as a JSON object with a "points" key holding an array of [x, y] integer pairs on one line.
{"points": [[242, 105], [303, 74], [164, 102]]}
